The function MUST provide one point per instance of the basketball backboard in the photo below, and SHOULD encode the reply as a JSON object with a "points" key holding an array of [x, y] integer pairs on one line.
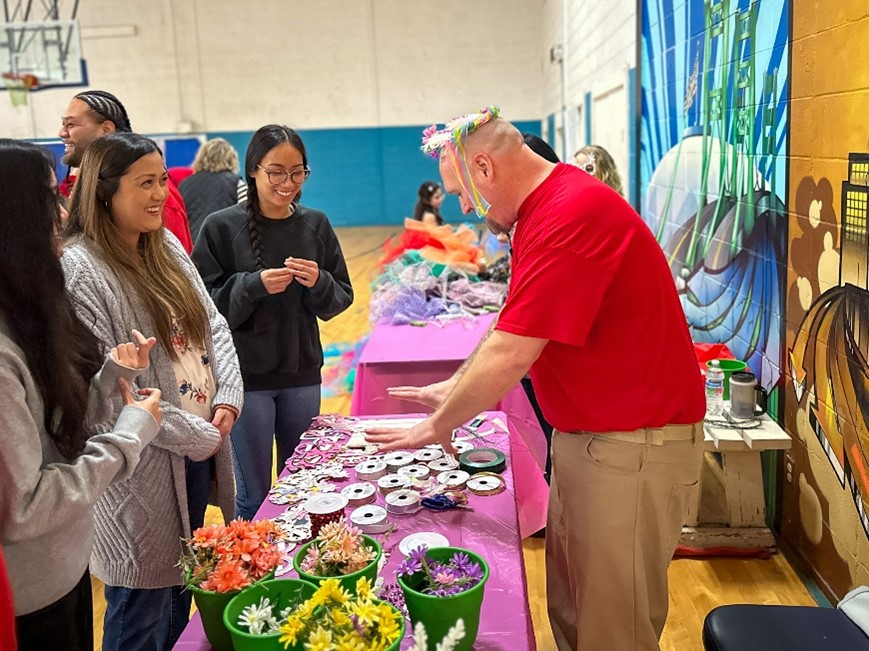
{"points": [[50, 51]]}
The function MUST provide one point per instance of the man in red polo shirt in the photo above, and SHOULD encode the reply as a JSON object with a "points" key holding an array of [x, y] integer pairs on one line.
{"points": [[91, 115], [592, 310]]}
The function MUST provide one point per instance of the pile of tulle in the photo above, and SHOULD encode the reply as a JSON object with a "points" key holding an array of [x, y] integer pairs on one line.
{"points": [[457, 248], [413, 289]]}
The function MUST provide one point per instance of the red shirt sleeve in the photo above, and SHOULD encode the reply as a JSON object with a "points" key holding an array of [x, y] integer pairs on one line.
{"points": [[175, 217]]}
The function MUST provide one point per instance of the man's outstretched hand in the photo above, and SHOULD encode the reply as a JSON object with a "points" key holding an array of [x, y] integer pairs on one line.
{"points": [[418, 436], [431, 395]]}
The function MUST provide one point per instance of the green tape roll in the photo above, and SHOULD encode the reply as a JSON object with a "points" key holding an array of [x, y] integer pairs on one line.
{"points": [[482, 460]]}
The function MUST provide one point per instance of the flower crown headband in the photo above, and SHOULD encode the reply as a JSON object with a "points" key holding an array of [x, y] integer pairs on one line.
{"points": [[451, 139]]}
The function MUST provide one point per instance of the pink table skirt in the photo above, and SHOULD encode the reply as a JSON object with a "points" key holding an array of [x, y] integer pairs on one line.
{"points": [[415, 356], [490, 530]]}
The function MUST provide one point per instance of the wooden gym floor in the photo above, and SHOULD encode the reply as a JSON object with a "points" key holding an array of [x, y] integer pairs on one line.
{"points": [[696, 586]]}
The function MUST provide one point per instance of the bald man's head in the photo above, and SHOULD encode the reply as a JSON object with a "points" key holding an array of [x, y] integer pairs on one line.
{"points": [[496, 137]]}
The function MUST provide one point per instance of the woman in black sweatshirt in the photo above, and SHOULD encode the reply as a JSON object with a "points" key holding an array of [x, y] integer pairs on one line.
{"points": [[273, 268]]}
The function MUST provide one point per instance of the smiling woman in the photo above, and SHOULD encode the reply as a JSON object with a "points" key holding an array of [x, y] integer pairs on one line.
{"points": [[124, 271]]}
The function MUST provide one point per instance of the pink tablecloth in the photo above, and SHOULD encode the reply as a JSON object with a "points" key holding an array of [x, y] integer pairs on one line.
{"points": [[416, 356], [491, 530]]}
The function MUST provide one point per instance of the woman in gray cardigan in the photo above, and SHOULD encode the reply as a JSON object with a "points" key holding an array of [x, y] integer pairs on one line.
{"points": [[54, 382], [125, 271]]}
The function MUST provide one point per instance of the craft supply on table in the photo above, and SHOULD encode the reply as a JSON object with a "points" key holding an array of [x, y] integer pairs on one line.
{"points": [[483, 460], [444, 463], [359, 493], [370, 519], [486, 483], [392, 482], [371, 470], [415, 471], [463, 446], [427, 539], [428, 454], [396, 460], [453, 479], [440, 502], [325, 508], [403, 502]]}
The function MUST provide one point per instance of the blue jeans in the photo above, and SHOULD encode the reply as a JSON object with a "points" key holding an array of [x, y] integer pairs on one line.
{"points": [[280, 416], [140, 619]]}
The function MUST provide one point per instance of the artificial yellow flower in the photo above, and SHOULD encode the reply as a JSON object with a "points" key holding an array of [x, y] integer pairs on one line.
{"points": [[365, 611], [339, 617], [350, 642], [305, 610], [364, 588], [332, 590], [320, 640], [290, 630], [389, 626]]}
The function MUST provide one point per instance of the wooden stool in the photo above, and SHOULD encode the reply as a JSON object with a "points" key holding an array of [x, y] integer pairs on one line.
{"points": [[737, 469]]}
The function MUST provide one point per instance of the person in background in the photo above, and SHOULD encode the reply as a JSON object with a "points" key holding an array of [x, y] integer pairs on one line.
{"points": [[273, 268], [591, 306], [597, 161], [124, 271], [91, 115], [428, 206], [61, 448], [215, 183]]}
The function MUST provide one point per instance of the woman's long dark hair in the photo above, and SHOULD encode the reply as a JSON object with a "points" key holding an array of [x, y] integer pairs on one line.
{"points": [[263, 141], [61, 353], [426, 191]]}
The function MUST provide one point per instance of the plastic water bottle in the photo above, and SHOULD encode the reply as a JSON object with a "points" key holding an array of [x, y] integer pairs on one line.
{"points": [[714, 390]]}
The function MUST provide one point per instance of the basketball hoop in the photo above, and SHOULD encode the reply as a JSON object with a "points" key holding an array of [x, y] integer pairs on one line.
{"points": [[19, 85]]}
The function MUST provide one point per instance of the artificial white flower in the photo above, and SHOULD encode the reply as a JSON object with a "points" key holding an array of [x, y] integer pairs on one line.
{"points": [[259, 619]]}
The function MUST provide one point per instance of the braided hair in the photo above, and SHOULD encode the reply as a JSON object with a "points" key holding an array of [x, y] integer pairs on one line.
{"points": [[106, 106], [263, 141]]}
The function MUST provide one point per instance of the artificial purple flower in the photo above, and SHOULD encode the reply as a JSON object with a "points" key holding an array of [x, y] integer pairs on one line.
{"points": [[460, 561], [418, 554], [474, 573], [408, 566]]}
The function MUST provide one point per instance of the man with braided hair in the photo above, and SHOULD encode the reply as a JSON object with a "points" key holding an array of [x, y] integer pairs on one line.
{"points": [[592, 311], [92, 114]]}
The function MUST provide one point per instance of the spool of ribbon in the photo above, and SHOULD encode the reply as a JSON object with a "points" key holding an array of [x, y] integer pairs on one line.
{"points": [[370, 519], [403, 502], [396, 460], [486, 483], [359, 494], [462, 446], [453, 479], [415, 471], [393, 482], [325, 508], [370, 470], [444, 463], [483, 460], [428, 454]]}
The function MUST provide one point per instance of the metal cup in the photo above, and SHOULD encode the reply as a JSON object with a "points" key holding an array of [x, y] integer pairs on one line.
{"points": [[747, 398]]}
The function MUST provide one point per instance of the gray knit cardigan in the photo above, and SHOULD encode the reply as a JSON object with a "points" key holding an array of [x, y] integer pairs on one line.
{"points": [[140, 521]]}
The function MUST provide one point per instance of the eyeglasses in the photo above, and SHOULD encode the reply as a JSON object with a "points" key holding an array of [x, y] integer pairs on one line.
{"points": [[277, 177]]}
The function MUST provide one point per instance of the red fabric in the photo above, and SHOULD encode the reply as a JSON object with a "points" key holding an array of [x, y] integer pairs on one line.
{"points": [[589, 276], [707, 352], [178, 174], [7, 610], [174, 211], [175, 216]]}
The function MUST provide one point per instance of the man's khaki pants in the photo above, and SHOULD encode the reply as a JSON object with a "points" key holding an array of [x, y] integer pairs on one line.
{"points": [[617, 504]]}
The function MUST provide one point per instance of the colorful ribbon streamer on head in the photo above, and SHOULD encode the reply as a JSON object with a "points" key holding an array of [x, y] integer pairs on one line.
{"points": [[451, 139]]}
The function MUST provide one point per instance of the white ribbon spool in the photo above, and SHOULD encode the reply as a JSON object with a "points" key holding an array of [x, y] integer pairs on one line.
{"points": [[393, 482], [415, 471], [462, 446], [396, 460], [370, 519], [428, 454], [445, 463], [359, 493], [370, 470], [403, 502], [453, 478], [325, 503]]}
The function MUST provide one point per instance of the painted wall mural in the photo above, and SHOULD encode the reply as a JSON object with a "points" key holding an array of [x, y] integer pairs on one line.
{"points": [[755, 179], [713, 167], [826, 490]]}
